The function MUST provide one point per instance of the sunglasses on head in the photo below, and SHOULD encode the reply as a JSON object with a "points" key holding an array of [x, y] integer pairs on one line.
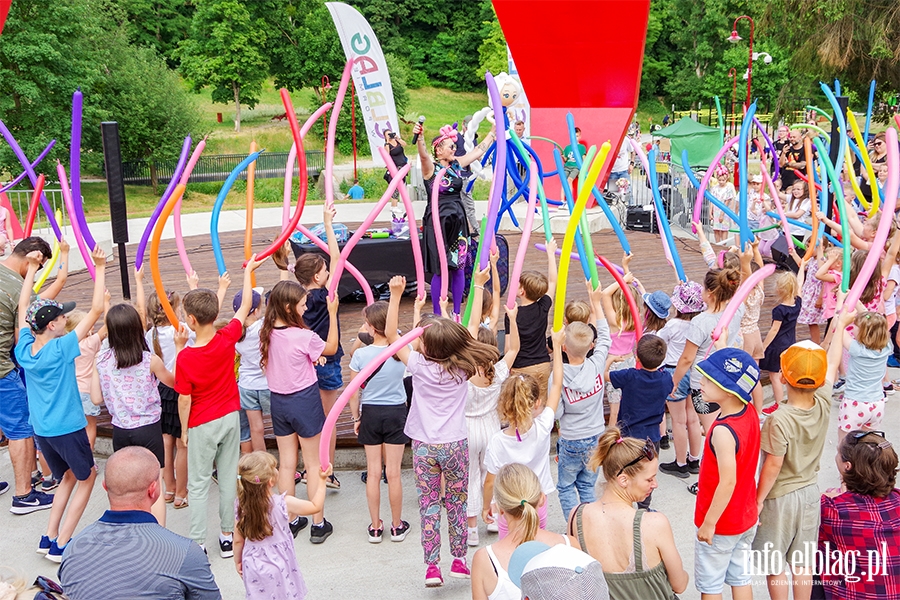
{"points": [[858, 438], [48, 588], [648, 451]]}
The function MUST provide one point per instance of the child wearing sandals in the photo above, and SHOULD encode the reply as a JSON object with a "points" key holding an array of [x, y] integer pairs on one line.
{"points": [[252, 384]]}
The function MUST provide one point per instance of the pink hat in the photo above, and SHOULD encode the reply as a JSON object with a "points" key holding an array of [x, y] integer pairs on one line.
{"points": [[688, 297], [721, 170]]}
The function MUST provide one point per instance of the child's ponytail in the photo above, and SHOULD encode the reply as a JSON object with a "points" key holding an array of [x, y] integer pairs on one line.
{"points": [[517, 398], [255, 471]]}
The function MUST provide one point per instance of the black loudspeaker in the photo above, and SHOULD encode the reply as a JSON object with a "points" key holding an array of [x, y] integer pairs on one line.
{"points": [[781, 257], [115, 183], [638, 218]]}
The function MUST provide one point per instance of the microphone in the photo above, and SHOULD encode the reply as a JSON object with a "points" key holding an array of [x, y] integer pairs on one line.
{"points": [[415, 137]]}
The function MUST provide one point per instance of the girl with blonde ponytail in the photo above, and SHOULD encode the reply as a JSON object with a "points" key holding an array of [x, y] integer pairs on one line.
{"points": [[518, 497]]}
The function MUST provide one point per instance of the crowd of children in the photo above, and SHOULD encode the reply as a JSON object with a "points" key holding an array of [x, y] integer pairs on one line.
{"points": [[478, 413]]}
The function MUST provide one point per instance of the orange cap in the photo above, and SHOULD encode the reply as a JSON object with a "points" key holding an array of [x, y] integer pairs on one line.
{"points": [[804, 365]]}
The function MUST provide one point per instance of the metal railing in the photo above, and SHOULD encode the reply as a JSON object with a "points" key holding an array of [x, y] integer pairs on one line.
{"points": [[20, 200], [216, 167]]}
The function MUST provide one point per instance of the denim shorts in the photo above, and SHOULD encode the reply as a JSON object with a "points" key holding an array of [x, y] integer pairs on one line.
{"points": [[727, 561], [14, 408], [329, 376], [684, 386], [90, 409], [252, 400]]}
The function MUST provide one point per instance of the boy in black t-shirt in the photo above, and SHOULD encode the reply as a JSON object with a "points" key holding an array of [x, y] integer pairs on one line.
{"points": [[534, 308]]}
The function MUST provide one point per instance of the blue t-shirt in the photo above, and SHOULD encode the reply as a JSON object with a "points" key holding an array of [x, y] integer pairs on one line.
{"points": [[643, 401], [386, 387], [356, 192], [53, 398]]}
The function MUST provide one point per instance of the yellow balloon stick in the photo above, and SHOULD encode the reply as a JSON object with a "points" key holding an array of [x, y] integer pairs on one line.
{"points": [[48, 268], [873, 184], [569, 239], [848, 164]]}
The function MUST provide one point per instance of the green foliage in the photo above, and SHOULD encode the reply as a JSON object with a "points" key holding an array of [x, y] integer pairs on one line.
{"points": [[492, 51], [154, 110], [160, 24], [223, 53], [399, 71], [372, 182], [301, 45], [48, 50]]}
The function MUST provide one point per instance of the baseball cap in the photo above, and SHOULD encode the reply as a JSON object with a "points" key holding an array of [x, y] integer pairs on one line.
{"points": [[756, 179], [733, 370], [42, 312], [561, 573], [804, 362], [256, 299], [659, 303]]}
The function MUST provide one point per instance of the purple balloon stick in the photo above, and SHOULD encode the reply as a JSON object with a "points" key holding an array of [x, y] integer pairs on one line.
{"points": [[8, 136], [34, 165], [173, 183]]}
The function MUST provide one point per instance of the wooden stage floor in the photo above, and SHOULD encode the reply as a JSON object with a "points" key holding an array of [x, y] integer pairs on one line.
{"points": [[649, 265]]}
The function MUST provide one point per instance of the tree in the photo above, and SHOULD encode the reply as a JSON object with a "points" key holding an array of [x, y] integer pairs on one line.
{"points": [[492, 51], [47, 50], [856, 40], [302, 44], [224, 52], [154, 110], [161, 24]]}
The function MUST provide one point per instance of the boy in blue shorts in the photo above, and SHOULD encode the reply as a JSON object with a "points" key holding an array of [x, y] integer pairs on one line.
{"points": [[47, 354]]}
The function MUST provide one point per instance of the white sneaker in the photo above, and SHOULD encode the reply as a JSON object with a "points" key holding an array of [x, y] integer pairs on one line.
{"points": [[473, 536], [492, 527]]}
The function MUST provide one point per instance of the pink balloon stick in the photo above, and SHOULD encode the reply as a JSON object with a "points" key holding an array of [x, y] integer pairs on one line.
{"points": [[360, 278], [361, 230], [292, 156], [411, 218], [526, 234], [709, 173], [646, 164], [439, 234], [785, 226], [889, 202], [332, 133], [76, 229], [352, 388], [185, 176]]}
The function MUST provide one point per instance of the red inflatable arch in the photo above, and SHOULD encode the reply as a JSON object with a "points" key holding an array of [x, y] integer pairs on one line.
{"points": [[578, 56], [4, 10]]}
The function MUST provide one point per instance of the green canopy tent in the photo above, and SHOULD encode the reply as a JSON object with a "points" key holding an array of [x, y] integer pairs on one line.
{"points": [[700, 141]]}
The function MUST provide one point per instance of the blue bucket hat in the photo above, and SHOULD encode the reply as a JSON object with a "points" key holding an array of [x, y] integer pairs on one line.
{"points": [[659, 303], [733, 370]]}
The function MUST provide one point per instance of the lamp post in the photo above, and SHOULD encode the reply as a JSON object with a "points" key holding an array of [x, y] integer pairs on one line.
{"points": [[735, 38], [733, 74], [326, 85]]}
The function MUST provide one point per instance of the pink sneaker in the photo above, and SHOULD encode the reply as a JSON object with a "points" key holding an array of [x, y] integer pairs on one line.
{"points": [[460, 569], [433, 576]]}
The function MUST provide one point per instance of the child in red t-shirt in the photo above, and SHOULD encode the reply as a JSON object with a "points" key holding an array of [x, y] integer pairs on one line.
{"points": [[725, 513], [208, 404]]}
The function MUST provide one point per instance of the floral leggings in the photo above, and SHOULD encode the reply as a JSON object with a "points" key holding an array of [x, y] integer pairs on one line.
{"points": [[430, 461]]}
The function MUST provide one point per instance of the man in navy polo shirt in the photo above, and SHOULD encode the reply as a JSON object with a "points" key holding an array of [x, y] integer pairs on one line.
{"points": [[147, 560]]}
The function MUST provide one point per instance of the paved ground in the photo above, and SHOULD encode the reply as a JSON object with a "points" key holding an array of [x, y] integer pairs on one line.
{"points": [[346, 565]]}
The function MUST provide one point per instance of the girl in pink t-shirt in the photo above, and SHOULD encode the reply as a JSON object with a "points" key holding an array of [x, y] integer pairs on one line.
{"points": [[443, 360], [289, 351]]}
